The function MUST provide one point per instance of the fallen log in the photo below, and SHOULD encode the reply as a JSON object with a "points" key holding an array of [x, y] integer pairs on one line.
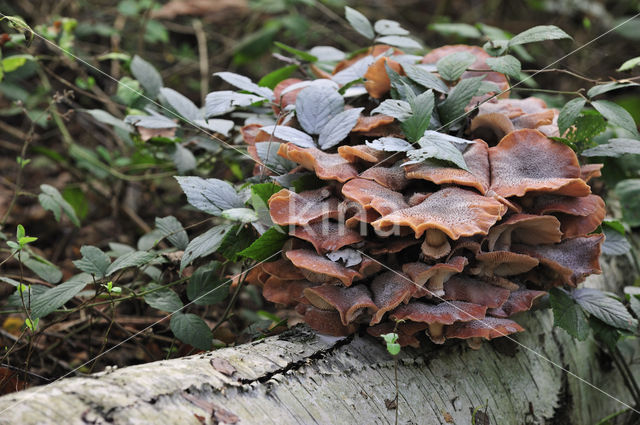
{"points": [[299, 377]]}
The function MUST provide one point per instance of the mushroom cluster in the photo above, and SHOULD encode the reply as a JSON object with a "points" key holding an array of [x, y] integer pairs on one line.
{"points": [[430, 247]]}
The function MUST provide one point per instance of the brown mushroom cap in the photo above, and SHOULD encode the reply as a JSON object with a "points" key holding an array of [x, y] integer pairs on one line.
{"points": [[307, 259], [349, 302], [361, 153], [376, 79], [327, 322], [372, 122], [371, 195], [389, 290], [433, 276], [466, 288], [290, 208], [487, 328], [476, 157], [327, 236], [526, 160], [454, 211], [524, 228], [406, 332], [503, 263], [376, 50], [390, 245], [572, 260], [493, 126], [281, 101], [282, 269], [520, 300], [287, 292], [327, 166], [590, 171], [390, 177]]}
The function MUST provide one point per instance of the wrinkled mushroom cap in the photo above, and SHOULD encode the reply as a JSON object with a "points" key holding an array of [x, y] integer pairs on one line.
{"points": [[307, 259], [524, 228], [349, 302], [469, 289], [327, 166], [290, 208]]}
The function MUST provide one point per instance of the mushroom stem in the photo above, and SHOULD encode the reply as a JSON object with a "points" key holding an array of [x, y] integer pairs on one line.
{"points": [[436, 333], [435, 237], [435, 245], [474, 343], [436, 285]]}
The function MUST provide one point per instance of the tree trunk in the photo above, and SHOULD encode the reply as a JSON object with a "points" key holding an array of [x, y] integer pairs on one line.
{"points": [[301, 378]]}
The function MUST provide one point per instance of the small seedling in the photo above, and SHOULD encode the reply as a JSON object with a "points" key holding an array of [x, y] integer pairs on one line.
{"points": [[392, 345]]}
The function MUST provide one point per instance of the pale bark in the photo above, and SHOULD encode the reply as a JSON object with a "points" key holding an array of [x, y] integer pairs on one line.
{"points": [[301, 378]]}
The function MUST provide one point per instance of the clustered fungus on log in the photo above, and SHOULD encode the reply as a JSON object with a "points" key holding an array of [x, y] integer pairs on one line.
{"points": [[431, 248]]}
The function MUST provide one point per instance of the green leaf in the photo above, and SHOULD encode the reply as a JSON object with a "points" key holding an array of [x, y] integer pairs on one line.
{"points": [[614, 225], [616, 115], [569, 113], [608, 309], [56, 297], [607, 87], [615, 148], [93, 261], [182, 158], [451, 67], [182, 105], [147, 75], [538, 33], [268, 154], [604, 333], [11, 63], [243, 215], [634, 303], [338, 127], [106, 118], [43, 268], [191, 330], [266, 245], [205, 287], [273, 78], [390, 144], [589, 124], [209, 195], [162, 299], [20, 232], [399, 41], [436, 148], [421, 110], [205, 244], [628, 192], [308, 57], [316, 105], [614, 243], [424, 78], [568, 315], [359, 22], [261, 192], [172, 229], [388, 27], [237, 239], [461, 30], [629, 64], [290, 134], [398, 109], [244, 83], [130, 259], [453, 107], [506, 64], [52, 200], [221, 102]]}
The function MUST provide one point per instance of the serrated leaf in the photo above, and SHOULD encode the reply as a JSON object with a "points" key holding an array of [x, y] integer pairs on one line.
{"points": [[451, 67], [425, 78], [52, 200], [172, 229], [614, 225], [209, 195], [28, 295], [388, 27], [147, 75], [421, 110], [496, 47], [180, 104], [163, 299], [390, 144], [399, 41], [538, 33], [617, 115], [205, 244], [568, 315], [290, 134], [604, 333], [182, 158], [629, 64], [398, 109], [54, 298], [221, 102], [268, 154], [353, 72], [243, 215], [607, 87], [435, 136], [609, 310], [348, 256], [150, 121], [506, 64], [94, 261], [453, 107], [327, 53], [359, 22], [569, 113], [316, 105], [628, 192], [43, 268], [237, 239], [245, 83], [338, 127], [266, 245], [205, 287], [441, 150], [191, 330], [614, 243], [462, 30], [615, 148], [217, 125], [634, 303], [130, 259]]}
